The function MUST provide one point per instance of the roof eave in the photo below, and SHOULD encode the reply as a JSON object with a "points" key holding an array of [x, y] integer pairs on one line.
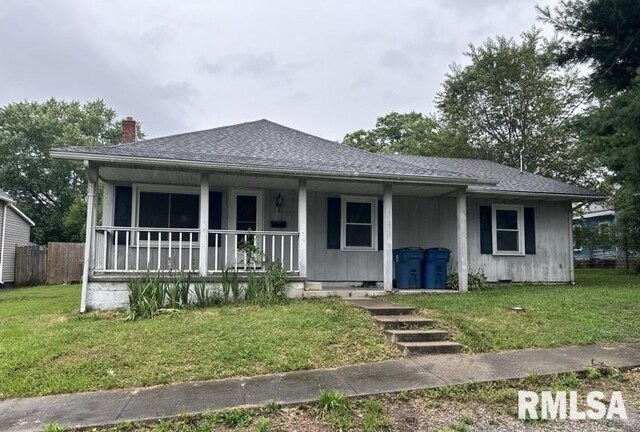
{"points": [[526, 194], [178, 163]]}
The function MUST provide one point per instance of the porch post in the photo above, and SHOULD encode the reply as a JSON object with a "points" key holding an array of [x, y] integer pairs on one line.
{"points": [[463, 265], [203, 238], [302, 228], [387, 229], [88, 264]]}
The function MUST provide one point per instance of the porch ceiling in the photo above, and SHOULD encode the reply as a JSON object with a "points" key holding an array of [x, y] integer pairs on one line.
{"points": [[117, 174]]}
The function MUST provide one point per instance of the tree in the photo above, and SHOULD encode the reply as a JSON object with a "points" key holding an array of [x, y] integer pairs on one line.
{"points": [[605, 35], [509, 102], [406, 133], [44, 188]]}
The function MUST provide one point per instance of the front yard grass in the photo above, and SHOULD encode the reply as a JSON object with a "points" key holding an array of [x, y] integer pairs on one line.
{"points": [[47, 347], [603, 306]]}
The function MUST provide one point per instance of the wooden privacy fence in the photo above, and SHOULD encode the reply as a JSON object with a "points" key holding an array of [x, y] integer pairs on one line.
{"points": [[52, 264], [31, 265]]}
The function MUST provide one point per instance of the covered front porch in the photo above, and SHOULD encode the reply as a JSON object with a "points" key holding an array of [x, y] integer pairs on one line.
{"points": [[332, 235]]}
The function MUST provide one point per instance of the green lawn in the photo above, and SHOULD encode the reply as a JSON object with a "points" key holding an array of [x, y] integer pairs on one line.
{"points": [[603, 306], [47, 347]]}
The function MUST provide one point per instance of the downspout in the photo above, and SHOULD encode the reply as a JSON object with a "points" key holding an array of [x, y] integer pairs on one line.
{"points": [[572, 274], [4, 225]]}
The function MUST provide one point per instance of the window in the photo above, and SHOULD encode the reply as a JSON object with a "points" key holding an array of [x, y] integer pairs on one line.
{"points": [[358, 222], [508, 232], [168, 210]]}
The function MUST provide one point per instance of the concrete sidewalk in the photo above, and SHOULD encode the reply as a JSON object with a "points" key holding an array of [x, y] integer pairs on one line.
{"points": [[109, 407]]}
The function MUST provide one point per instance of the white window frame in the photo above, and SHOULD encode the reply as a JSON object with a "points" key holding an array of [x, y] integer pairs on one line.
{"points": [[494, 231], [144, 187], [343, 222]]}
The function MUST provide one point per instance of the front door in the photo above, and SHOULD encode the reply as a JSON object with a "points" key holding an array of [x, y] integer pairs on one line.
{"points": [[245, 215]]}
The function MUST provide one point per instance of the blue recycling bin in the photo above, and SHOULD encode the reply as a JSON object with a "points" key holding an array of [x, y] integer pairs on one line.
{"points": [[408, 267], [434, 269]]}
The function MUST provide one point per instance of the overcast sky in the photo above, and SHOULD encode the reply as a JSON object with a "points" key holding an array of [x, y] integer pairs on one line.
{"points": [[325, 67]]}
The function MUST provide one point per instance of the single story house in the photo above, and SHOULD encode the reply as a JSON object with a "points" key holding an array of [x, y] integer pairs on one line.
{"points": [[15, 230], [332, 214]]}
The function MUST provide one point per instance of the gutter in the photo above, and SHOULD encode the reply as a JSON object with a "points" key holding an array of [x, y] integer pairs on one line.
{"points": [[575, 197], [4, 225], [251, 169]]}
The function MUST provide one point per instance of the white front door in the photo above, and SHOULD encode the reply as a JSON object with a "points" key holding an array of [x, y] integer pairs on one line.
{"points": [[245, 214]]}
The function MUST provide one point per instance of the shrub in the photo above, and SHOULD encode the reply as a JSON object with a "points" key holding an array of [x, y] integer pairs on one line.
{"points": [[146, 297], [205, 297], [476, 281]]}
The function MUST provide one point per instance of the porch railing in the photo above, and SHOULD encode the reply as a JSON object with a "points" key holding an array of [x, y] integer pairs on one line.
{"points": [[139, 249]]}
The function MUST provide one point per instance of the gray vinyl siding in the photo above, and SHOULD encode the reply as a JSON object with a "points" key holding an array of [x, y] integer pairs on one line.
{"points": [[418, 222], [554, 251], [431, 222], [17, 233]]}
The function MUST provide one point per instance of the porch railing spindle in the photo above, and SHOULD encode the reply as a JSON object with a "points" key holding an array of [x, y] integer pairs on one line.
{"points": [[126, 250]]}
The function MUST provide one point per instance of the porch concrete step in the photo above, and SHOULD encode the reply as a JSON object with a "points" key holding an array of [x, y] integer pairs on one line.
{"points": [[390, 310], [389, 322], [416, 335], [439, 347]]}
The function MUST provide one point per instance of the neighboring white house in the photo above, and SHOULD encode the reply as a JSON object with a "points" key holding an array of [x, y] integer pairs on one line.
{"points": [[15, 230], [332, 214]]}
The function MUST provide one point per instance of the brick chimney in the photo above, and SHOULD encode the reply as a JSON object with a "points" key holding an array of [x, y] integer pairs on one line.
{"points": [[128, 130]]}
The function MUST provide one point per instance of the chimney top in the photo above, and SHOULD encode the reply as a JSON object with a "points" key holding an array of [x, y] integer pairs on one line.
{"points": [[129, 133]]}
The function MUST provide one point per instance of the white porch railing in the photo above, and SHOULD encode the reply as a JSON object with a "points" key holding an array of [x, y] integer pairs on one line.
{"points": [[139, 249]]}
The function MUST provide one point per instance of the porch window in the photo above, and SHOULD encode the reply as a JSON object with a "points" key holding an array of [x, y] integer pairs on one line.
{"points": [[508, 232], [168, 210], [358, 222]]}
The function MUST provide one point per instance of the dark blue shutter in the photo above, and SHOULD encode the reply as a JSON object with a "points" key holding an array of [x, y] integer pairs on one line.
{"points": [[215, 215], [486, 237], [333, 223], [122, 210], [380, 226], [529, 231]]}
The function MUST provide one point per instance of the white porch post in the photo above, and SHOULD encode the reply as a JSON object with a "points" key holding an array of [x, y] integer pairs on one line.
{"points": [[203, 238], [463, 265], [387, 229], [88, 264], [302, 228]]}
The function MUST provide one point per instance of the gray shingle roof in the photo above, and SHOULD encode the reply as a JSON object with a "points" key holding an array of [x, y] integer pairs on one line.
{"points": [[5, 196], [269, 146], [265, 144], [509, 179]]}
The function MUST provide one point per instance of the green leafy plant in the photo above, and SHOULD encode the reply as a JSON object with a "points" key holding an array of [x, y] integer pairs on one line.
{"points": [[263, 425], [54, 427], [237, 417], [146, 297], [231, 284], [476, 281], [204, 297], [331, 402]]}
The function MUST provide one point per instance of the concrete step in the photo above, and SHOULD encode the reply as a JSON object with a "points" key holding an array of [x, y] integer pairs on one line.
{"points": [[440, 347], [389, 322], [416, 335], [389, 310]]}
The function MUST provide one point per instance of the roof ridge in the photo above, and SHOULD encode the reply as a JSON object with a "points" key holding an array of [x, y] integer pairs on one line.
{"points": [[188, 133]]}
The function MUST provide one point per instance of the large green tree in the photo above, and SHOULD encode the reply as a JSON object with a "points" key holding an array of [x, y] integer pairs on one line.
{"points": [[407, 133], [605, 36], [45, 188], [511, 101]]}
